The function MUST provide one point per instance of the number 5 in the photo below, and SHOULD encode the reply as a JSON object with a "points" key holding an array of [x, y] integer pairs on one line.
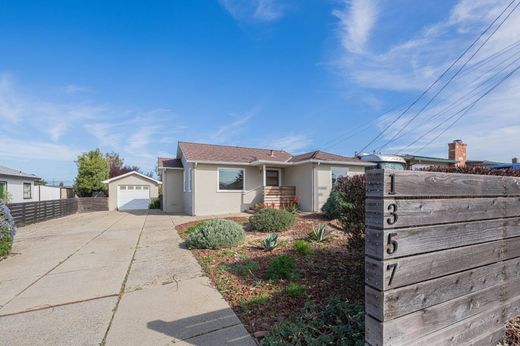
{"points": [[391, 244]]}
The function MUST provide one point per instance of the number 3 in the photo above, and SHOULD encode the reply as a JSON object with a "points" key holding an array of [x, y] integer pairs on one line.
{"points": [[392, 208], [392, 244]]}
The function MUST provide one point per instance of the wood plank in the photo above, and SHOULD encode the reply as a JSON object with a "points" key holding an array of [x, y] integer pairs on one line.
{"points": [[394, 303], [412, 241], [414, 269], [410, 327], [469, 330], [394, 213], [419, 184]]}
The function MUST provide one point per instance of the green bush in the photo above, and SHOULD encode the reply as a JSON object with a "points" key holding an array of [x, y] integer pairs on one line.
{"points": [[302, 246], [337, 323], [347, 202], [282, 267], [295, 290], [272, 220], [243, 269], [194, 228], [155, 204], [216, 234]]}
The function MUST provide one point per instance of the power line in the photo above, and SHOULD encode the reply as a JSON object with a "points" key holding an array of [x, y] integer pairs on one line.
{"points": [[437, 80], [458, 101], [469, 107], [450, 79]]}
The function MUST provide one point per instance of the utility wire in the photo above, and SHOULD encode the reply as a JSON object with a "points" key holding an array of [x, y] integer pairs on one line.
{"points": [[468, 108], [437, 80], [450, 79], [463, 109]]}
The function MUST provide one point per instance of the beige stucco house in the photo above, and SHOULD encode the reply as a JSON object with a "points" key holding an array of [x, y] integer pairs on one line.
{"points": [[206, 179]]}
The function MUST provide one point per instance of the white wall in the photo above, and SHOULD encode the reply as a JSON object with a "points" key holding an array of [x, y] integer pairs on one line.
{"points": [[15, 189], [46, 193], [173, 195]]}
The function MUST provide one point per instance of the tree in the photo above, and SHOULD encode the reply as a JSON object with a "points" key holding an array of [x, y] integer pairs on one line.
{"points": [[92, 170], [118, 167], [40, 182]]}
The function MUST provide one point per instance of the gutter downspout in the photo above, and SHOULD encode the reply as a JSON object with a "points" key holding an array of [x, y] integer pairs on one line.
{"points": [[193, 210]]}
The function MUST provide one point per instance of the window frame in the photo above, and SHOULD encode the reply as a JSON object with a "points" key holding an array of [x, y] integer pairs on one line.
{"points": [[6, 191], [279, 170], [229, 168], [30, 190], [331, 178]]}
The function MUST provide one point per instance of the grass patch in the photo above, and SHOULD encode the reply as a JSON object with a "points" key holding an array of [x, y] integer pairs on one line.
{"points": [[295, 290], [282, 267], [302, 246], [249, 267]]}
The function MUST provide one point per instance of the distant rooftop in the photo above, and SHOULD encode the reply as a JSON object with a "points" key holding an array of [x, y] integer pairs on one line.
{"points": [[16, 173], [428, 159]]}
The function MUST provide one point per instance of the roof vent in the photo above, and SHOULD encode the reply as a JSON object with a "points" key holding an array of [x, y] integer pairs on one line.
{"points": [[271, 153], [515, 160]]}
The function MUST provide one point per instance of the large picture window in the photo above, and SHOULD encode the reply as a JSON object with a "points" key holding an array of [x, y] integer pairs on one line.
{"points": [[27, 191], [230, 179], [338, 172]]}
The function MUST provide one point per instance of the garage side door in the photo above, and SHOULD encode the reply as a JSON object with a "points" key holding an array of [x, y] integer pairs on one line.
{"points": [[132, 197]]}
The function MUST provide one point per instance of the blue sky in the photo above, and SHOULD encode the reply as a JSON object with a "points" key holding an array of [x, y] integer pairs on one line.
{"points": [[135, 77]]}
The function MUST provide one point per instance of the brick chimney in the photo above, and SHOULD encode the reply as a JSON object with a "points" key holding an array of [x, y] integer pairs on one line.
{"points": [[457, 151], [514, 160]]}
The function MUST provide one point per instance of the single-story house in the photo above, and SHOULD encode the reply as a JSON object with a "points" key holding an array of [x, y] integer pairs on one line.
{"points": [[131, 191], [17, 186], [205, 179]]}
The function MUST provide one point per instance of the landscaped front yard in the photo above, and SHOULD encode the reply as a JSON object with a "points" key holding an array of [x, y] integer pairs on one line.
{"points": [[302, 289]]}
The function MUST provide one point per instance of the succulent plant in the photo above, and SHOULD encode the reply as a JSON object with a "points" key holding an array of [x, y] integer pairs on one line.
{"points": [[270, 242]]}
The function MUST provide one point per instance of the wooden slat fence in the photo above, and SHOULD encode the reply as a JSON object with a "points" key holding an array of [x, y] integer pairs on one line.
{"points": [[32, 212], [279, 196], [442, 258]]}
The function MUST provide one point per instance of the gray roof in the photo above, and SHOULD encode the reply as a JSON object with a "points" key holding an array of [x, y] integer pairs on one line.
{"points": [[16, 173]]}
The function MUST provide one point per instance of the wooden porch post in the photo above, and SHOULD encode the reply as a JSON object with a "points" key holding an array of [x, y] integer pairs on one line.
{"points": [[263, 175]]}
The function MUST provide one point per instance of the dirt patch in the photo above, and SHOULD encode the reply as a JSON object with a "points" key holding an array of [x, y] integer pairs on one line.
{"points": [[240, 273]]}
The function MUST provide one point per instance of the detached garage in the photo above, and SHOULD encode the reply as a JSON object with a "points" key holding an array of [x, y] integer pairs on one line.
{"points": [[131, 191]]}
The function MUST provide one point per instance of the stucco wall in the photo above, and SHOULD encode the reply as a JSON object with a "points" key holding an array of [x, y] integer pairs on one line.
{"points": [[129, 180], [301, 177], [207, 200], [173, 195], [47, 193], [324, 181], [15, 189]]}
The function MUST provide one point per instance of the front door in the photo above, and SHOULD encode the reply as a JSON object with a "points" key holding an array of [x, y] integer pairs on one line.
{"points": [[272, 177]]}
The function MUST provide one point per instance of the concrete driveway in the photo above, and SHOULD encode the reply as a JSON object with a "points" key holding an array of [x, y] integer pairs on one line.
{"points": [[110, 278]]}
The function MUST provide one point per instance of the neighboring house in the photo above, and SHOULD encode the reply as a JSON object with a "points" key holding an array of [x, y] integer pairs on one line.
{"points": [[206, 179], [17, 185], [131, 191]]}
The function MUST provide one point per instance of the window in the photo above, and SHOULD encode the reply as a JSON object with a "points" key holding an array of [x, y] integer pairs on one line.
{"points": [[338, 172], [230, 179], [272, 177], [3, 189], [27, 191], [145, 187], [187, 180], [130, 187], [122, 187], [138, 187]]}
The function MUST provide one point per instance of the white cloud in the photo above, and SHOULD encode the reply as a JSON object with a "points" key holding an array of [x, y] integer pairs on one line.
{"points": [[356, 21], [36, 150], [11, 107], [413, 64], [255, 10], [293, 143], [73, 89]]}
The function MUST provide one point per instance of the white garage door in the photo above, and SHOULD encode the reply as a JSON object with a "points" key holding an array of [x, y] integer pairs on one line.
{"points": [[131, 197]]}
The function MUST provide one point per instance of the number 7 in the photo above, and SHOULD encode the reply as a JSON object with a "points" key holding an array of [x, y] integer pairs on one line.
{"points": [[392, 267]]}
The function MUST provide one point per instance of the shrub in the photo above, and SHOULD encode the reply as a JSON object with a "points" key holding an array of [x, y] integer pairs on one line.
{"points": [[7, 229], [272, 220], [337, 323], [295, 290], [302, 246], [194, 228], [281, 267], [216, 234], [347, 202], [318, 233], [270, 242], [155, 204], [243, 269]]}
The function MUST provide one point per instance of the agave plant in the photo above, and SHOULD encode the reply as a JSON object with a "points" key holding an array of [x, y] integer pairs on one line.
{"points": [[318, 233], [270, 242]]}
